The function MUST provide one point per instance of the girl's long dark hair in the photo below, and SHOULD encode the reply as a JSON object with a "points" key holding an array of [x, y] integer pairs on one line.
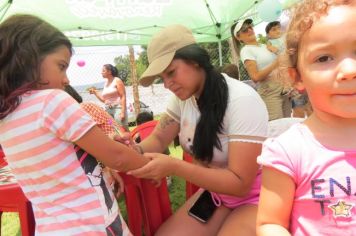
{"points": [[212, 103], [25, 41]]}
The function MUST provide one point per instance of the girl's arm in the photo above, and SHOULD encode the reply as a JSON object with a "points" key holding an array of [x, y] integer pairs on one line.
{"points": [[235, 180], [111, 153], [276, 202], [120, 86], [163, 134], [259, 75]]}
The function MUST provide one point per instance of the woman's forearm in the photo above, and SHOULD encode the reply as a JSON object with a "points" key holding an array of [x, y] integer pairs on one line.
{"points": [[123, 104], [153, 144], [263, 74]]}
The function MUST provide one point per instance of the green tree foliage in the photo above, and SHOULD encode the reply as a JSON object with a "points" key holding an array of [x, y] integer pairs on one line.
{"points": [[262, 39], [142, 61], [122, 64]]}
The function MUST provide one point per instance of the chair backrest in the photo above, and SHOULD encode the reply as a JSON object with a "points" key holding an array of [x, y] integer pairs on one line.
{"points": [[190, 188], [277, 127], [146, 205], [12, 199], [144, 129], [2, 159]]}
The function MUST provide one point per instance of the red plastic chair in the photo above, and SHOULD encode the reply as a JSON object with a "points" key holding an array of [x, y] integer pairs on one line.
{"points": [[2, 159], [12, 199], [147, 206], [190, 188], [144, 129]]}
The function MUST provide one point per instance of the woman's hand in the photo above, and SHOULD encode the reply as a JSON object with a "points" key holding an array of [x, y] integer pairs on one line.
{"points": [[92, 91], [124, 138], [122, 116], [159, 167]]}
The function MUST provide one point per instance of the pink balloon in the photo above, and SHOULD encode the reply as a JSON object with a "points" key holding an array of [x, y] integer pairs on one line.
{"points": [[81, 63]]}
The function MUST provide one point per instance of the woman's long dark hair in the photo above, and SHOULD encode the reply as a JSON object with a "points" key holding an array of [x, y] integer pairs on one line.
{"points": [[212, 103], [25, 41]]}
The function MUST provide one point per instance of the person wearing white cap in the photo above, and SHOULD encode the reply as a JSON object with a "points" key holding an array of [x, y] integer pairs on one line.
{"points": [[259, 63], [221, 122]]}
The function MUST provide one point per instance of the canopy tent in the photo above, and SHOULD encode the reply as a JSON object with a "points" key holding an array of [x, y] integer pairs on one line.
{"points": [[133, 22]]}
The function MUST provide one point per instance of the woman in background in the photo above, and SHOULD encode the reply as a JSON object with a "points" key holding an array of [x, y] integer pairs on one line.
{"points": [[259, 63], [113, 95]]}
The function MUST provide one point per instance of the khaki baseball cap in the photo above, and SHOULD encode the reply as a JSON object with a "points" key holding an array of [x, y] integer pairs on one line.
{"points": [[162, 48]]}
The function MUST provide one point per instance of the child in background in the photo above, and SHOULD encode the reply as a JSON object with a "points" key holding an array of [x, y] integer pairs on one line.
{"points": [[275, 41], [309, 177], [44, 132]]}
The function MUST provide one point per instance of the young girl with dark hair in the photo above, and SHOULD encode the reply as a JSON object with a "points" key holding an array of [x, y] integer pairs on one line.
{"points": [[44, 134], [220, 121]]}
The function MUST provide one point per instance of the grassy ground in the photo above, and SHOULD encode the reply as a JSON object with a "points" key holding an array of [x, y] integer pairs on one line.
{"points": [[10, 225]]}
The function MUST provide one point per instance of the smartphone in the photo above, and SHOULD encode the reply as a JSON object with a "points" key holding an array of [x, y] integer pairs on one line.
{"points": [[203, 208]]}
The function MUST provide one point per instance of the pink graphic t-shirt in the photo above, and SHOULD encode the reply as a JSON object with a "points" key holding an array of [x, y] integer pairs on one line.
{"points": [[325, 179]]}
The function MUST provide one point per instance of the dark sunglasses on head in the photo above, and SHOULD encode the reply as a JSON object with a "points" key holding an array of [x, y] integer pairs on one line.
{"points": [[245, 28]]}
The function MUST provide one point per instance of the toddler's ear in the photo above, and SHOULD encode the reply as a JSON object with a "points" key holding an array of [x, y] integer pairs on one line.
{"points": [[296, 80]]}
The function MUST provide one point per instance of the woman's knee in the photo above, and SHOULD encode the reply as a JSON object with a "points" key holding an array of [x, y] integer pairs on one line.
{"points": [[180, 223], [241, 221]]}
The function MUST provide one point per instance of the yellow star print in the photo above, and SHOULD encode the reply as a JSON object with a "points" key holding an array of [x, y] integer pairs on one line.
{"points": [[341, 209]]}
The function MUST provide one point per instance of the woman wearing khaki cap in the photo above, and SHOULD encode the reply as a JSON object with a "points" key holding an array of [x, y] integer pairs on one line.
{"points": [[220, 121]]}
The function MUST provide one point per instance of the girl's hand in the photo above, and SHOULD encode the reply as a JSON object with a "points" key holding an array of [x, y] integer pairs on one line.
{"points": [[124, 138], [118, 181], [159, 167]]}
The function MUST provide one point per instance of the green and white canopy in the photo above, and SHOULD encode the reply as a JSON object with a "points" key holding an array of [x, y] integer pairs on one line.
{"points": [[133, 22]]}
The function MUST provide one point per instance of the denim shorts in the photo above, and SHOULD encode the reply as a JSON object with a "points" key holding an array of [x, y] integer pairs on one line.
{"points": [[299, 100]]}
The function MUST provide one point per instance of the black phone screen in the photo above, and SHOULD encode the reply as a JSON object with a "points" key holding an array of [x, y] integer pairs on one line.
{"points": [[203, 208]]}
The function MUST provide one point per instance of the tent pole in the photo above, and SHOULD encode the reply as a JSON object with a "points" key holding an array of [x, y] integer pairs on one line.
{"points": [[218, 30], [7, 6], [220, 53]]}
